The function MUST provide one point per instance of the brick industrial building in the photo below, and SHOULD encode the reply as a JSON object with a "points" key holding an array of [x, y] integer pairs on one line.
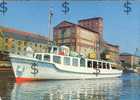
{"points": [[78, 38], [84, 37]]}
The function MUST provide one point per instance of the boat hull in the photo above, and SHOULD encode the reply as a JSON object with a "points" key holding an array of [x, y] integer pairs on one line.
{"points": [[32, 69]]}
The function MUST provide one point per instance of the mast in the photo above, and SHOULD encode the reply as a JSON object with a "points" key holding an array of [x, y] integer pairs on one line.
{"points": [[50, 15]]}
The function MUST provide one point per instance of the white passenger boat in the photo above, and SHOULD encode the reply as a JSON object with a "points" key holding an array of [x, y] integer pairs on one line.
{"points": [[60, 65]]}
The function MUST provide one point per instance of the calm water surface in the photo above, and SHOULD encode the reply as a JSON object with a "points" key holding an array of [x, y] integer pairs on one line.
{"points": [[125, 88]]}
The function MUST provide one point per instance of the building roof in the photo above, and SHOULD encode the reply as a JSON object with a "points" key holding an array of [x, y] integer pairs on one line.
{"points": [[128, 54], [112, 45], [87, 19], [70, 23], [63, 23], [22, 35]]}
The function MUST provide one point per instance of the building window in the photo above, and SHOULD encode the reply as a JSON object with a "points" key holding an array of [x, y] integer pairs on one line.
{"points": [[57, 59], [74, 62], [19, 48], [35, 45], [82, 62], [46, 57], [66, 60], [25, 43], [19, 42]]}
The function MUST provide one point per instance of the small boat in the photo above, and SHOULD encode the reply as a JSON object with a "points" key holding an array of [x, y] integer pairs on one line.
{"points": [[59, 64]]}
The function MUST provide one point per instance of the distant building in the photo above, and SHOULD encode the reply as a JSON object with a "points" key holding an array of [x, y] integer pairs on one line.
{"points": [[130, 58], [112, 52], [15, 41], [77, 37]]}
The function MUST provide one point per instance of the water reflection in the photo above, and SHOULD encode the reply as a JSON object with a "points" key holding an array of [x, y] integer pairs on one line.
{"points": [[131, 87], [125, 88], [105, 89], [6, 87]]}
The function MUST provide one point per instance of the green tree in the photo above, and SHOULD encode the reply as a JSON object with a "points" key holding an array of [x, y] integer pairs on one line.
{"points": [[103, 54], [126, 64]]}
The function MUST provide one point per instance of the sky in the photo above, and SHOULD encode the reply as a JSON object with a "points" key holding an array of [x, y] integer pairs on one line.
{"points": [[119, 28]]}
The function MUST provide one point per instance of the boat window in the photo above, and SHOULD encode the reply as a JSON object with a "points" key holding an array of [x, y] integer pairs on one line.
{"points": [[66, 60], [82, 62], [39, 56], [74, 62], [54, 50], [46, 57], [104, 65], [108, 67], [94, 64], [99, 65], [89, 63], [57, 59]]}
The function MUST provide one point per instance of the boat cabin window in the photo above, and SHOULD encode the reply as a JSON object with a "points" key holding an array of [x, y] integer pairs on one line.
{"points": [[74, 62], [57, 59], [66, 60], [89, 64], [55, 50], [94, 64], [46, 57], [99, 65], [82, 62], [104, 65], [108, 67], [39, 56]]}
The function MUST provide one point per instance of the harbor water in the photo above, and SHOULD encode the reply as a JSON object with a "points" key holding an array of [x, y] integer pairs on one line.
{"points": [[127, 87]]}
